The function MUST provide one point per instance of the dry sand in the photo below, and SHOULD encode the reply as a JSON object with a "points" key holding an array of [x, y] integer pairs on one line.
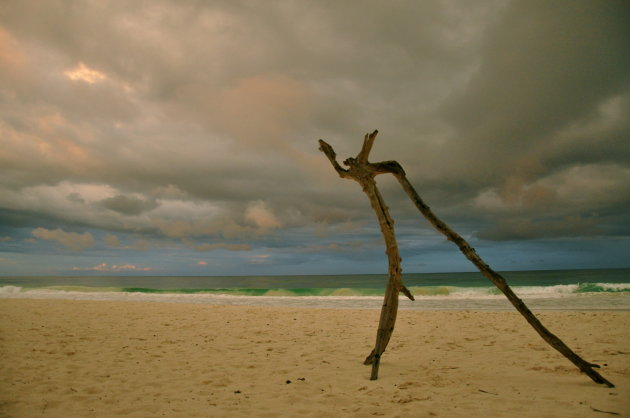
{"points": [[85, 359]]}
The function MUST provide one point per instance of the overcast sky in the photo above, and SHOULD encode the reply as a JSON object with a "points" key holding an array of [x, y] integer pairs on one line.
{"points": [[180, 137]]}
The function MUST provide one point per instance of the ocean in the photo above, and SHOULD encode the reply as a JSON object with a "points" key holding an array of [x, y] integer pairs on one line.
{"points": [[603, 289]]}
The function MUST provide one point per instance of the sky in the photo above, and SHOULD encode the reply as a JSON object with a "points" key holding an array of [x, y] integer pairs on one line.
{"points": [[181, 137]]}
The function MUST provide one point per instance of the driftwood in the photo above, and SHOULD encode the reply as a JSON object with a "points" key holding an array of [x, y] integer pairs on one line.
{"points": [[360, 170], [364, 172]]}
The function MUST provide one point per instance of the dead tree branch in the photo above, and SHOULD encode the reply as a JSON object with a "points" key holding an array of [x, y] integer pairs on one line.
{"points": [[364, 172]]}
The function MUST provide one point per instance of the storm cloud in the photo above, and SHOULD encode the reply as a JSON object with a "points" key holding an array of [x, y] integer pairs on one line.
{"points": [[181, 137]]}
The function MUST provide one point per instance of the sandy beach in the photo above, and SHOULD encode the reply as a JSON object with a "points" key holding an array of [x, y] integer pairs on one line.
{"points": [[98, 359]]}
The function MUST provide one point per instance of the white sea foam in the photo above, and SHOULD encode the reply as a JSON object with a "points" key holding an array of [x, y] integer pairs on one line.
{"points": [[616, 287], [559, 290], [461, 299], [10, 290]]}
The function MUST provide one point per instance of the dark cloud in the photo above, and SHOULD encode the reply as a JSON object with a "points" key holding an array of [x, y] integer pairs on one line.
{"points": [[129, 205], [71, 240], [527, 229], [544, 67], [195, 124]]}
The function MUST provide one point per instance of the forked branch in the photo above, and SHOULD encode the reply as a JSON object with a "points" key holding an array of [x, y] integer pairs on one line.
{"points": [[362, 171]]}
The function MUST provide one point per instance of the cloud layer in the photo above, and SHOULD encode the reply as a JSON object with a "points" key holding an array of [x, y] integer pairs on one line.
{"points": [[136, 133]]}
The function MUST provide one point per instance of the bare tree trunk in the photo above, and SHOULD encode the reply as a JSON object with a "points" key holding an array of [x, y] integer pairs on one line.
{"points": [[364, 172]]}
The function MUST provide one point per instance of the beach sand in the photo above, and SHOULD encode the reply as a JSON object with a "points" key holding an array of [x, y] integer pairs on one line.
{"points": [[97, 359]]}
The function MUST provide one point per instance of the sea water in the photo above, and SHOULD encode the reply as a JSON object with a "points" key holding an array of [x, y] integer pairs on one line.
{"points": [[604, 289]]}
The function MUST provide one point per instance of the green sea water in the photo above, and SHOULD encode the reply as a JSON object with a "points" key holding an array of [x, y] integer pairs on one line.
{"points": [[552, 289]]}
